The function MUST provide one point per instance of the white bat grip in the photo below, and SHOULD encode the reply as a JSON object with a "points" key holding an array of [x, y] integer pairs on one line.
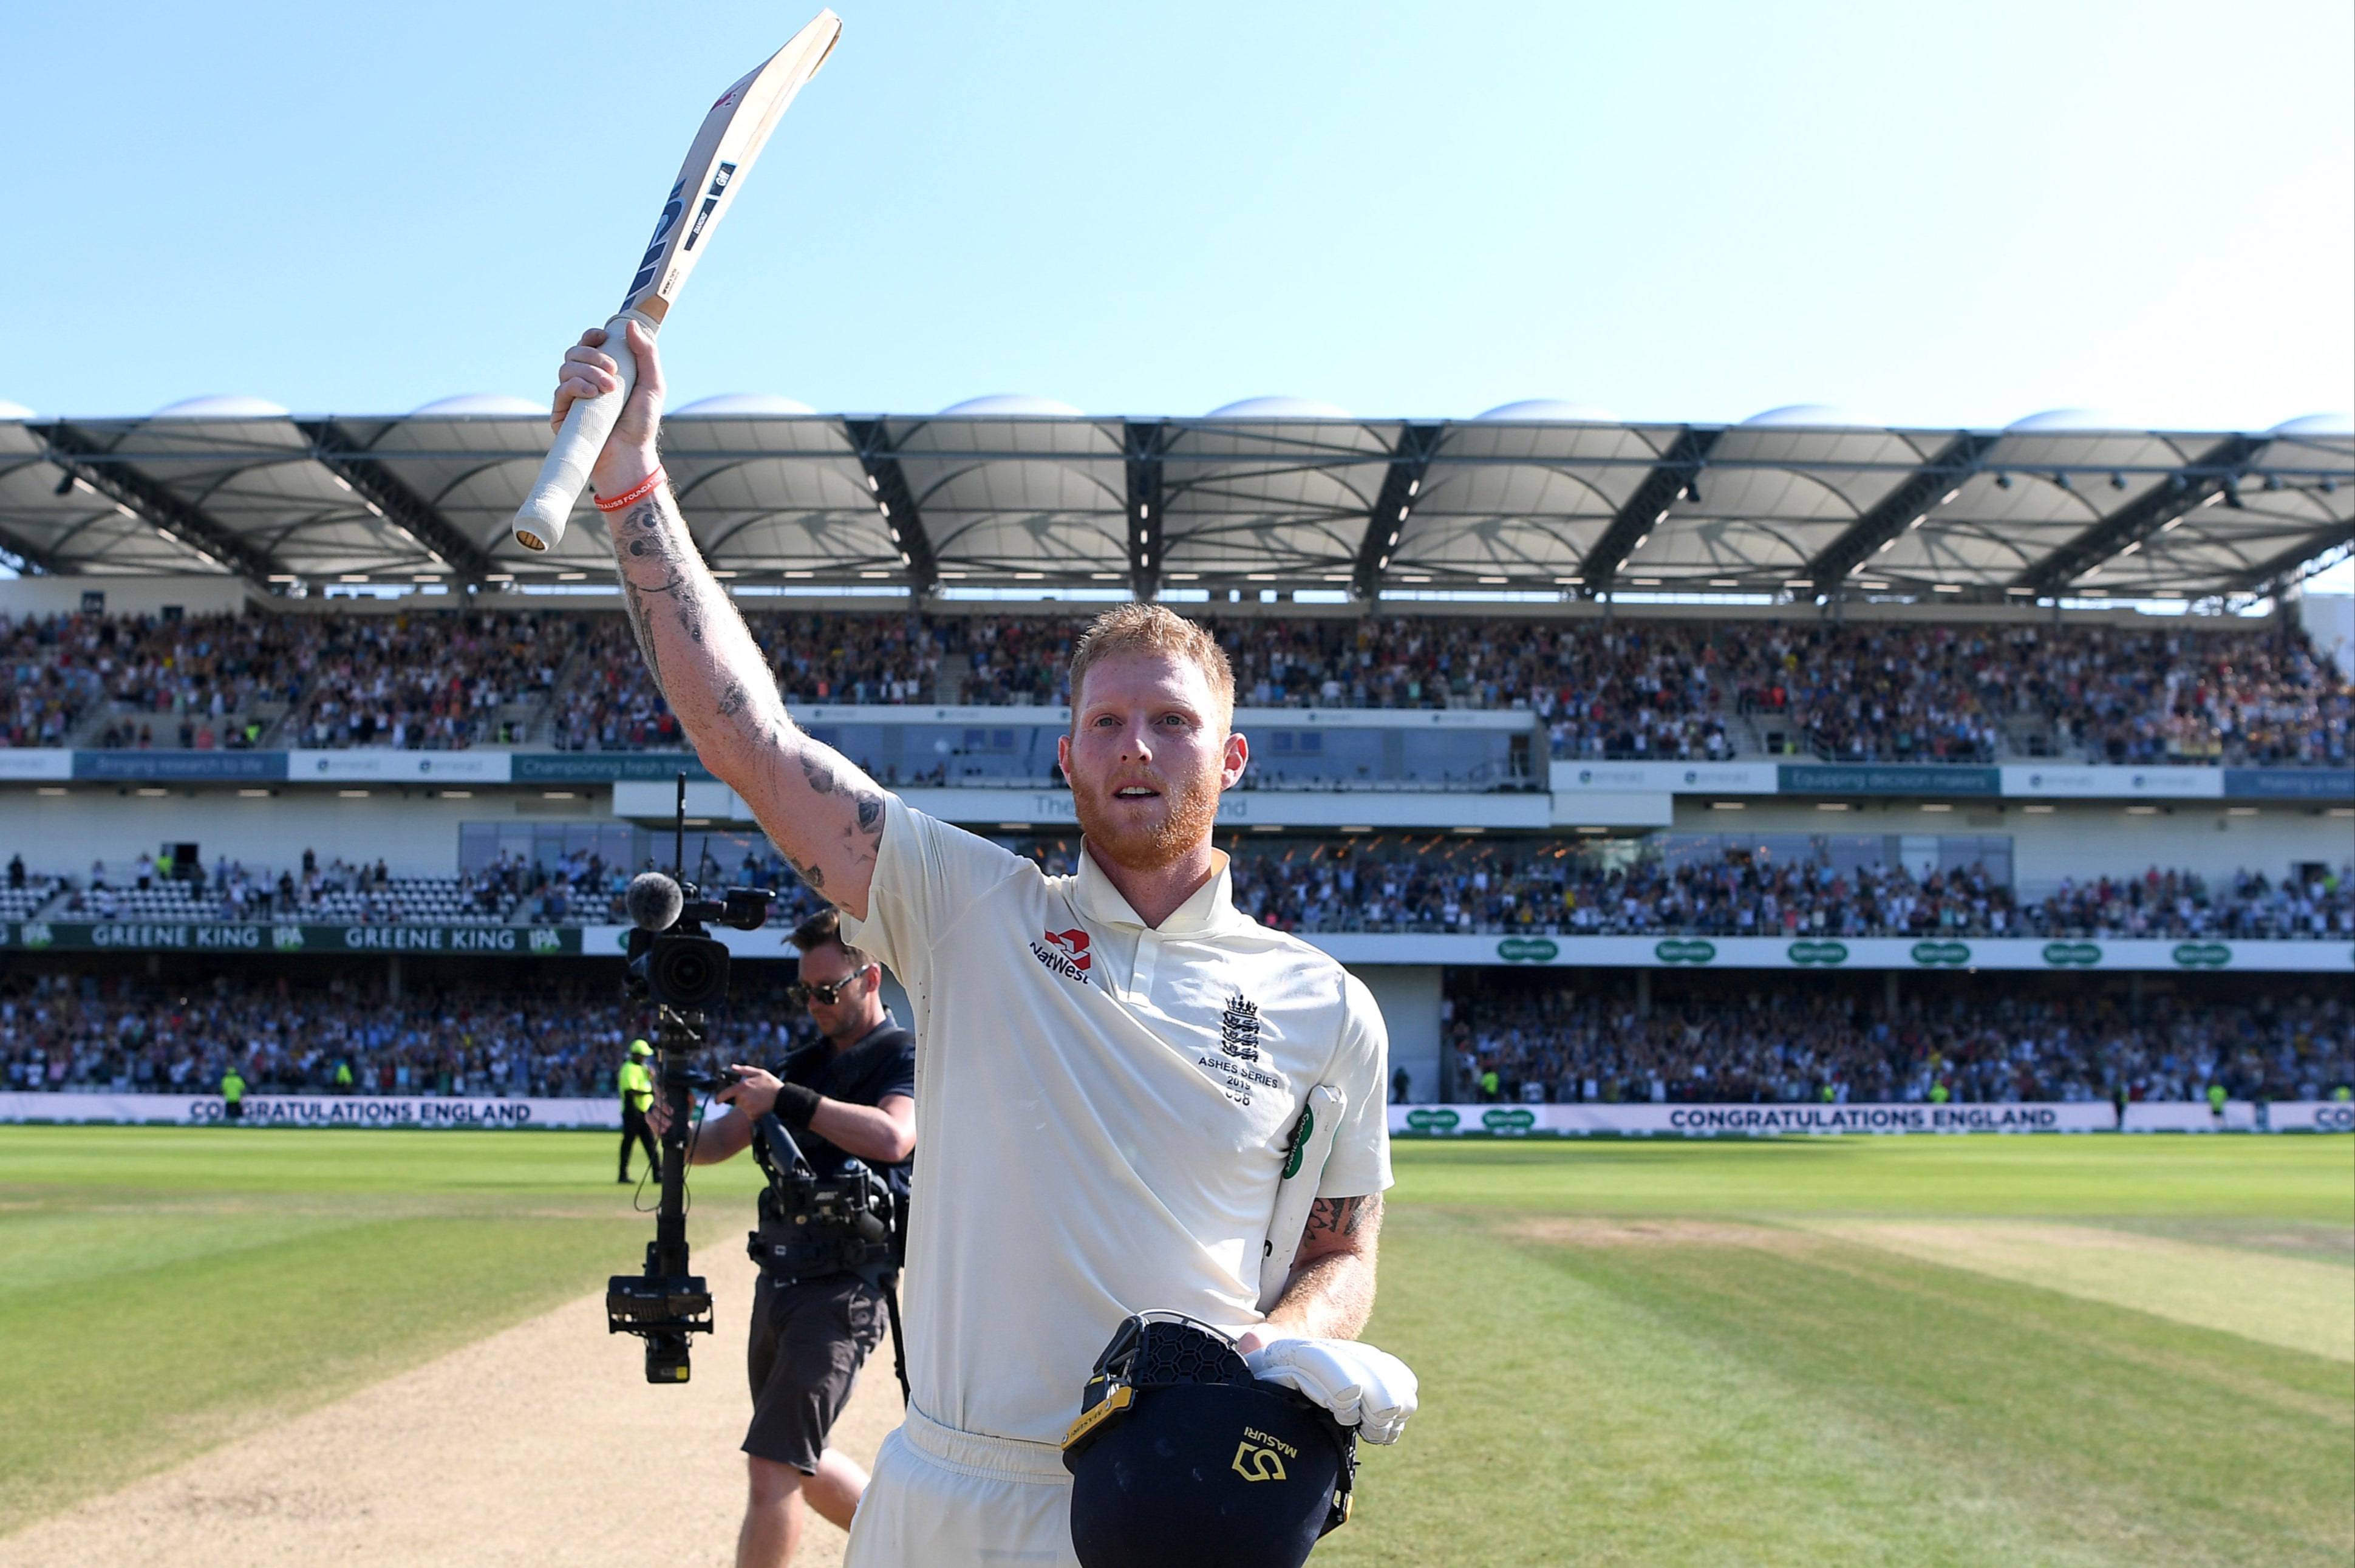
{"points": [[540, 521]]}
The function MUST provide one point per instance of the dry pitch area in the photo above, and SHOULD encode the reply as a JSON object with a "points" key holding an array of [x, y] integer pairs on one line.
{"points": [[271, 1346], [537, 1446]]}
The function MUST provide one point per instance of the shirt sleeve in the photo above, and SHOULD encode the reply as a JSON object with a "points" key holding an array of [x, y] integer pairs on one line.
{"points": [[1359, 1164], [927, 874], [897, 1076]]}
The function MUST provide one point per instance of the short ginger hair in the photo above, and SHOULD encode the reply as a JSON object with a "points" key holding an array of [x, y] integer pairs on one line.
{"points": [[1152, 629]]}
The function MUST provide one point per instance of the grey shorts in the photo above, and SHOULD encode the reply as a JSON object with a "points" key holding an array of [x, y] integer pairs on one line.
{"points": [[808, 1342]]}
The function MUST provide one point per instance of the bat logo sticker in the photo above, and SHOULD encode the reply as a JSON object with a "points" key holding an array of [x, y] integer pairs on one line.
{"points": [[710, 202], [663, 225]]}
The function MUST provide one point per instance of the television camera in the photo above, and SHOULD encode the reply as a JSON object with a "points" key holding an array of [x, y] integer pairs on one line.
{"points": [[678, 965]]}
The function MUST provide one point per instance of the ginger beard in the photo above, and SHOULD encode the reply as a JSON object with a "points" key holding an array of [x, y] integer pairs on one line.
{"points": [[1149, 834]]}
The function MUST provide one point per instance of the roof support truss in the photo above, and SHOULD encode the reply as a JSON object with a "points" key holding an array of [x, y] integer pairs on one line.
{"points": [[1410, 460], [333, 446], [86, 460], [23, 551], [1901, 509], [1647, 510], [27, 555], [901, 519], [1144, 441], [2269, 575], [2216, 475]]}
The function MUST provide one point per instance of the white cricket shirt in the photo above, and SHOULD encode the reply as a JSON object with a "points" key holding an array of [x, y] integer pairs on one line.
{"points": [[1101, 1110]]}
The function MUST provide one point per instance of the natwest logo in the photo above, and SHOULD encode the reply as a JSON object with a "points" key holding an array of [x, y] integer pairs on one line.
{"points": [[1064, 952]]}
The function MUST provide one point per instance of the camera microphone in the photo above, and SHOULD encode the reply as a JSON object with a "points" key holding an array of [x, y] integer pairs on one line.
{"points": [[653, 902]]}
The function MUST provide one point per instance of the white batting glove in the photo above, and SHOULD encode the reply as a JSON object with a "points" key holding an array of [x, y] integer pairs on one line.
{"points": [[1370, 1390]]}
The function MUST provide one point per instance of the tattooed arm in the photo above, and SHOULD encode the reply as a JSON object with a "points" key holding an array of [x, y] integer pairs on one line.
{"points": [[824, 813], [1331, 1291]]}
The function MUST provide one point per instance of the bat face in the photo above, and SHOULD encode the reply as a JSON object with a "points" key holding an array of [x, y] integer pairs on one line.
{"points": [[734, 129]]}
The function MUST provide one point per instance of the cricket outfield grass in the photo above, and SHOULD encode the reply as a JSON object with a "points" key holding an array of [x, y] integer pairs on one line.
{"points": [[1902, 1350]]}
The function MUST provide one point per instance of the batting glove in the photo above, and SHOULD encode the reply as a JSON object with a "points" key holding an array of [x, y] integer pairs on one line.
{"points": [[1368, 1389]]}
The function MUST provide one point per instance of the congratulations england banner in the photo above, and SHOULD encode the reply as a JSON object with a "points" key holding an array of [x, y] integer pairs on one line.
{"points": [[1709, 1121], [315, 1111]]}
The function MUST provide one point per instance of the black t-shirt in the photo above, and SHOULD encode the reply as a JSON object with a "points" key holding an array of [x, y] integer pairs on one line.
{"points": [[881, 1065]]}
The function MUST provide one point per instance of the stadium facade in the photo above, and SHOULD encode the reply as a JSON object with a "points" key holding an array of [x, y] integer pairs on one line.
{"points": [[1276, 496], [1946, 856]]}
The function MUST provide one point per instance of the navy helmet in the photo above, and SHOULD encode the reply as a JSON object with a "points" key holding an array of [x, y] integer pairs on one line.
{"points": [[1181, 1458]]}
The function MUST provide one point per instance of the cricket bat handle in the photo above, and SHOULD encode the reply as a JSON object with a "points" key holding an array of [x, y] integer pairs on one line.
{"points": [[540, 521]]}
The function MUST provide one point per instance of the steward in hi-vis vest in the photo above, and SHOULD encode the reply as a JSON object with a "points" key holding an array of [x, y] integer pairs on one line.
{"points": [[637, 1087]]}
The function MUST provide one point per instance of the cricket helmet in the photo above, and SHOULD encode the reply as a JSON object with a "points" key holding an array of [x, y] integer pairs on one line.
{"points": [[1181, 1458]]}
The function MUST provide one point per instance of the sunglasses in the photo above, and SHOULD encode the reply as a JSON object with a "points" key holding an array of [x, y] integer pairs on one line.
{"points": [[828, 992]]}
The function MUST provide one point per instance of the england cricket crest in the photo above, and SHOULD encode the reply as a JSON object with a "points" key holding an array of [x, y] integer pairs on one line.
{"points": [[1238, 1029]]}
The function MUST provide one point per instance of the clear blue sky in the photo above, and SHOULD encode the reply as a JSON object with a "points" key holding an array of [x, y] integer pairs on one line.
{"points": [[1932, 214]]}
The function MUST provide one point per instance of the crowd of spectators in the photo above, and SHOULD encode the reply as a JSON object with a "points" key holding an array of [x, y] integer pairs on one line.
{"points": [[610, 703], [1561, 1045], [199, 681], [1670, 690], [578, 889], [434, 680], [1771, 1044], [584, 888], [1433, 883], [2186, 693], [426, 683], [53, 676], [59, 1033], [1440, 882], [1664, 689]]}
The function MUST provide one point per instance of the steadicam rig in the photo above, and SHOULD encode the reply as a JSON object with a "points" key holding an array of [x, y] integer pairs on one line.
{"points": [[676, 964]]}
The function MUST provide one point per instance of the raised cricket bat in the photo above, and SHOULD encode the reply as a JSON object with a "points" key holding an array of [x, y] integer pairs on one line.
{"points": [[733, 133]]}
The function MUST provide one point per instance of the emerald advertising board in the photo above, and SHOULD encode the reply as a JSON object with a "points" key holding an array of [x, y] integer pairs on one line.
{"points": [[1822, 952], [1747, 1120]]}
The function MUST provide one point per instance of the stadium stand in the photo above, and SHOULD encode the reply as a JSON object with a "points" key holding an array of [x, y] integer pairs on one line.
{"points": [[610, 703], [422, 682], [1438, 883], [1650, 688], [1552, 1043], [430, 683], [1789, 589], [1666, 884], [22, 892], [475, 1038], [1657, 689], [53, 676], [1544, 1041]]}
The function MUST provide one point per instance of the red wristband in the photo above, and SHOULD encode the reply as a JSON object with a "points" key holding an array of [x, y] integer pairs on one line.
{"points": [[634, 495]]}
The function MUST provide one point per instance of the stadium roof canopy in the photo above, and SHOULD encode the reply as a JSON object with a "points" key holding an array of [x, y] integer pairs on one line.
{"points": [[1272, 493]]}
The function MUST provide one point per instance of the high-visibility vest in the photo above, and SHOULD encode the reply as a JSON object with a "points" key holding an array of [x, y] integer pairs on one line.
{"points": [[637, 1085]]}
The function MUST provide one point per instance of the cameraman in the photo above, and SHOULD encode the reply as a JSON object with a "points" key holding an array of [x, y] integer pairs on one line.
{"points": [[850, 1097]]}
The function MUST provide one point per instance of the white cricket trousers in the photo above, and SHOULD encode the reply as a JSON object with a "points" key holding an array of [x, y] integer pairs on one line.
{"points": [[944, 1499]]}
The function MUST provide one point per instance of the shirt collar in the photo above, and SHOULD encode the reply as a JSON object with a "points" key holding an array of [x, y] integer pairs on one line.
{"points": [[864, 1040], [1210, 907]]}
